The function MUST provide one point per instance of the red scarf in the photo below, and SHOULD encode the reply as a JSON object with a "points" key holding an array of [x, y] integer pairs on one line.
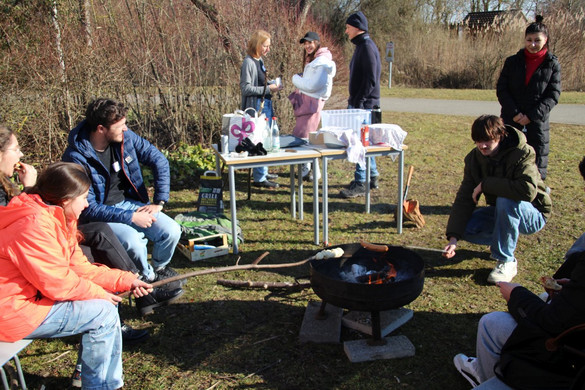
{"points": [[533, 61]]}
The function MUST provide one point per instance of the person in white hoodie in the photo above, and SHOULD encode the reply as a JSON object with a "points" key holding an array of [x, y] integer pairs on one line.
{"points": [[313, 87]]}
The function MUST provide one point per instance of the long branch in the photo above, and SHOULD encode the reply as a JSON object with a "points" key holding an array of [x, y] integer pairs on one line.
{"points": [[253, 265]]}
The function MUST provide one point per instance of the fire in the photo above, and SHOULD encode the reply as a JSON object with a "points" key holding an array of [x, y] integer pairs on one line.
{"points": [[388, 274]]}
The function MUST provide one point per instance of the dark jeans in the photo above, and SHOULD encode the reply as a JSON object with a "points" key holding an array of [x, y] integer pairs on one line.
{"points": [[101, 245]]}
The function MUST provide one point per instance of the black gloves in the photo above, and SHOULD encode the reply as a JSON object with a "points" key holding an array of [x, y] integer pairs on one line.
{"points": [[253, 150]]}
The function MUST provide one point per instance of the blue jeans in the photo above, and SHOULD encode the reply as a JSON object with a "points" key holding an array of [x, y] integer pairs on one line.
{"points": [[260, 173], [499, 226], [492, 332], [164, 233], [360, 173], [100, 351]]}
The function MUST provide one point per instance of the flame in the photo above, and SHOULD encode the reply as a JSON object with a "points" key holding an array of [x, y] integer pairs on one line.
{"points": [[383, 277]]}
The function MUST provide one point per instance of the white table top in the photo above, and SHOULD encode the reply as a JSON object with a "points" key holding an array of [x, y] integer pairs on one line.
{"points": [[287, 154]]}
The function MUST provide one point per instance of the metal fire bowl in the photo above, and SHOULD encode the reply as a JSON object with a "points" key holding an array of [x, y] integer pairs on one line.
{"points": [[327, 282]]}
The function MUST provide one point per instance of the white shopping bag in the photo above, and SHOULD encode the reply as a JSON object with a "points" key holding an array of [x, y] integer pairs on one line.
{"points": [[240, 125]]}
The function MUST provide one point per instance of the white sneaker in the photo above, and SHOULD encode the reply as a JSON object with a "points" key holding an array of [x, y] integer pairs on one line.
{"points": [[503, 272], [467, 366]]}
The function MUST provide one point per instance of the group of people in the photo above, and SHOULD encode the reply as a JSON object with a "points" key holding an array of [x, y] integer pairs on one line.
{"points": [[312, 88], [508, 166], [93, 208], [77, 236]]}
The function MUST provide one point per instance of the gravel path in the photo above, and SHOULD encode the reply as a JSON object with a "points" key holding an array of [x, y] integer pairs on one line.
{"points": [[573, 114]]}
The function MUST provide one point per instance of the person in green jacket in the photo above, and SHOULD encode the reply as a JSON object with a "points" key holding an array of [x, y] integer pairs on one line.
{"points": [[501, 167]]}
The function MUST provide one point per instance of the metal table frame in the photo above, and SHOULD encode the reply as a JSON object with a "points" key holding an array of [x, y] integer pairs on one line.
{"points": [[371, 151], [291, 157]]}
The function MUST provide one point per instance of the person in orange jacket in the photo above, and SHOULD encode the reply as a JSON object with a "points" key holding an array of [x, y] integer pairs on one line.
{"points": [[48, 288]]}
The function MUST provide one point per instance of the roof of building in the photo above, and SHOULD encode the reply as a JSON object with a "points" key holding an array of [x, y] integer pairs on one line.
{"points": [[489, 18]]}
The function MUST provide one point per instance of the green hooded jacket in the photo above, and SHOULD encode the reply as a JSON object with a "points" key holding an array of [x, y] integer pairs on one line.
{"points": [[511, 173]]}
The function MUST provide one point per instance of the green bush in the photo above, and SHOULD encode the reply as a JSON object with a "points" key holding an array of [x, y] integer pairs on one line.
{"points": [[187, 163]]}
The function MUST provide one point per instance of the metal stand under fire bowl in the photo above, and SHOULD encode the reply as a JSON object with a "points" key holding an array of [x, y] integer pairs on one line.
{"points": [[380, 294], [322, 324]]}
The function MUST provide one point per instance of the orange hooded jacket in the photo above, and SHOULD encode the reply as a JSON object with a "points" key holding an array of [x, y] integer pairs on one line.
{"points": [[41, 263]]}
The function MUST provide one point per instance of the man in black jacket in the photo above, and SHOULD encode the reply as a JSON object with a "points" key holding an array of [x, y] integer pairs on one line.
{"points": [[527, 314], [364, 90]]}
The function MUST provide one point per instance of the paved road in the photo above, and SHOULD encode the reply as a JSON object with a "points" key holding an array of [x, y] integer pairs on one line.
{"points": [[573, 114]]}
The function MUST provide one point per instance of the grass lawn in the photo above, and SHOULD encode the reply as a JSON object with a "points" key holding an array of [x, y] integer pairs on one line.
{"points": [[221, 338]]}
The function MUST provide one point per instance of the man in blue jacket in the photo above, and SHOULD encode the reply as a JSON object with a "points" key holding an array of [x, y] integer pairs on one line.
{"points": [[364, 90], [112, 155]]}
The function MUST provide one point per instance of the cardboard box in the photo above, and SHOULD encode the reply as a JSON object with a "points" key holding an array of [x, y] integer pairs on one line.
{"points": [[329, 137], [219, 242]]}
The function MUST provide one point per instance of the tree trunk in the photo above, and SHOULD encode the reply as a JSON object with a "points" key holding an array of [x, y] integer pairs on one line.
{"points": [[62, 67], [84, 17]]}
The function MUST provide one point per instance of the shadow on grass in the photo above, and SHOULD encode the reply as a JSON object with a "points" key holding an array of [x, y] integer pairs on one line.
{"points": [[232, 339]]}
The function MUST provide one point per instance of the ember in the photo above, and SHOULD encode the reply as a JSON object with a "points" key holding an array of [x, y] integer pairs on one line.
{"points": [[387, 274], [361, 274]]}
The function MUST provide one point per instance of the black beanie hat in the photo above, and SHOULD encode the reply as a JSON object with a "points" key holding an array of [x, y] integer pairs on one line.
{"points": [[358, 20], [309, 37]]}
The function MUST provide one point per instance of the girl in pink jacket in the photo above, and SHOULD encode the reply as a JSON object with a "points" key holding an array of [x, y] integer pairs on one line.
{"points": [[48, 288]]}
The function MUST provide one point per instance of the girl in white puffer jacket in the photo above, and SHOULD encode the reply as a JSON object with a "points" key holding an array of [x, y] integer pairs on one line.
{"points": [[313, 88], [313, 85]]}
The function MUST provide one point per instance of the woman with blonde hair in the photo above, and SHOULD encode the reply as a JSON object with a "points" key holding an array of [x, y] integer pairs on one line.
{"points": [[257, 92]]}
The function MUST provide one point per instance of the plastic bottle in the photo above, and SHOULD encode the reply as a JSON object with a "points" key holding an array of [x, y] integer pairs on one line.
{"points": [[268, 140], [365, 134], [275, 136]]}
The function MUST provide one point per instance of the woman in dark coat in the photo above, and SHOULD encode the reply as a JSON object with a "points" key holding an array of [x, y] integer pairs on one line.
{"points": [[528, 89]]}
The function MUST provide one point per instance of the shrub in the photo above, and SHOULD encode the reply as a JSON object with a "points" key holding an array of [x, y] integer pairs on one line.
{"points": [[187, 163]]}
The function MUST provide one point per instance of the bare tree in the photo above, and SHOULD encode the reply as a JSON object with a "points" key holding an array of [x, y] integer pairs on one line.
{"points": [[84, 16], [63, 70], [222, 29]]}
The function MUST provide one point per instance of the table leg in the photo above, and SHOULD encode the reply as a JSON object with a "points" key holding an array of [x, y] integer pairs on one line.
{"points": [[367, 184], [400, 200], [315, 201], [232, 185], [325, 203], [300, 171], [293, 208]]}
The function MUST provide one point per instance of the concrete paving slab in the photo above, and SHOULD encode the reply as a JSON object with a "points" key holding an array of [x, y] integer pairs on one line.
{"points": [[326, 330], [390, 320], [395, 347]]}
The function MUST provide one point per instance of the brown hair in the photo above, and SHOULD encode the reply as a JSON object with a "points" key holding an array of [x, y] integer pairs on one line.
{"points": [[9, 187], [307, 58], [61, 181], [257, 39], [487, 128], [104, 112]]}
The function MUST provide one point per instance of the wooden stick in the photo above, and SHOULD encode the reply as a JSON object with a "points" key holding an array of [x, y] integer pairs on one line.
{"points": [[254, 265], [263, 285]]}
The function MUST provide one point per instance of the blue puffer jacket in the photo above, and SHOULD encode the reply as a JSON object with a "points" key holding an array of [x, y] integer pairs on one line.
{"points": [[135, 151]]}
